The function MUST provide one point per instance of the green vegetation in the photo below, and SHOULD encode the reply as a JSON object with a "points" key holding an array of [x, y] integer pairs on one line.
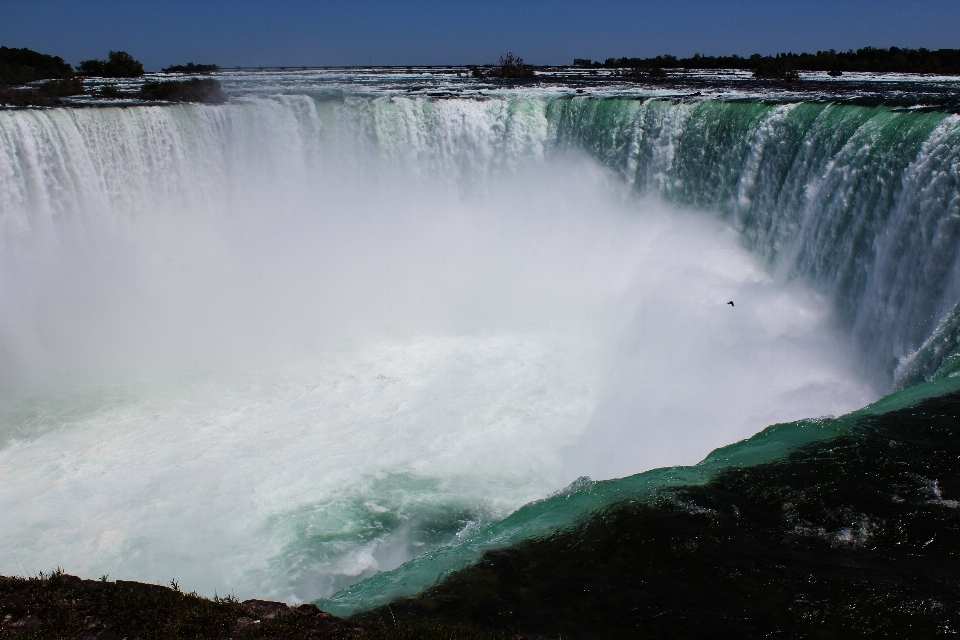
{"points": [[108, 91], [194, 90], [57, 606], [893, 59], [120, 64], [27, 98], [192, 68], [19, 66], [65, 87]]}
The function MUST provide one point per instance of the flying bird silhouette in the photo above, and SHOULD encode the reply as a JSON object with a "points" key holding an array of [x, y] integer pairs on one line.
{"points": [[731, 303]]}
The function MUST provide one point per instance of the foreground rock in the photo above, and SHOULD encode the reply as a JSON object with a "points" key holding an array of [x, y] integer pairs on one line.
{"points": [[64, 606], [852, 536]]}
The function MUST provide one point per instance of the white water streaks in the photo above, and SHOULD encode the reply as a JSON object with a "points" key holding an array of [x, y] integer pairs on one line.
{"points": [[909, 90], [861, 203], [274, 347]]}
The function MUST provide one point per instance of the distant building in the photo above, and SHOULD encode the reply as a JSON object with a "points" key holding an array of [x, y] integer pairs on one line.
{"points": [[582, 62]]}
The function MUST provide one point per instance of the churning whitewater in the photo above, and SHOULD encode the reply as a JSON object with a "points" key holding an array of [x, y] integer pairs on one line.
{"points": [[276, 347]]}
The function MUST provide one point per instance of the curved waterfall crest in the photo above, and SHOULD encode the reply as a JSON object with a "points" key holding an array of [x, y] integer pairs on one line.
{"points": [[864, 202], [293, 342]]}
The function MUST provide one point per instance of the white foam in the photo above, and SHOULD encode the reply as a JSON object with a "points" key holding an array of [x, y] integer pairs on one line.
{"points": [[287, 369]]}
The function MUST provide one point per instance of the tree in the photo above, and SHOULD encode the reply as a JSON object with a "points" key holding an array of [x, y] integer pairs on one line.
{"points": [[511, 66], [19, 66], [119, 65]]}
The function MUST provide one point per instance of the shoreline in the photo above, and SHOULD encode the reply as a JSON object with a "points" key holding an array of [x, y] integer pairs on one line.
{"points": [[915, 92], [59, 605]]}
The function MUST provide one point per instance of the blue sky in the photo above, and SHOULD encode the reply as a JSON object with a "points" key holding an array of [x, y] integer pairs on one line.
{"points": [[316, 32]]}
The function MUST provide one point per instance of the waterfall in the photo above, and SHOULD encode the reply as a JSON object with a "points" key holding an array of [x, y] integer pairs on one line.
{"points": [[860, 201], [289, 343]]}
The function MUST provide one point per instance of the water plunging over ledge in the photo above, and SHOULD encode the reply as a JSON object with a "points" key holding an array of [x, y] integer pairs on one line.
{"points": [[277, 346]]}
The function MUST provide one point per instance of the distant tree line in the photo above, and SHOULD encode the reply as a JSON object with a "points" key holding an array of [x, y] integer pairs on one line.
{"points": [[893, 59], [20, 67], [191, 68], [119, 64]]}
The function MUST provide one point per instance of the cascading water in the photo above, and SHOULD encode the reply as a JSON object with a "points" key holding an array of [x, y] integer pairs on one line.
{"points": [[862, 202], [278, 346]]}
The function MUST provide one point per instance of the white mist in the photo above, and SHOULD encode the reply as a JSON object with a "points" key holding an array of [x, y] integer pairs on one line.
{"points": [[301, 362]]}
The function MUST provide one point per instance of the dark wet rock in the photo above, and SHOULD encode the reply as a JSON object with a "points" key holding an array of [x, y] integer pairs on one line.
{"points": [[265, 609], [853, 536], [309, 609]]}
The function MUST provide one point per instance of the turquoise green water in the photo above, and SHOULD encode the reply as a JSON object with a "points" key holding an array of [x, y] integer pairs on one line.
{"points": [[584, 496], [860, 203]]}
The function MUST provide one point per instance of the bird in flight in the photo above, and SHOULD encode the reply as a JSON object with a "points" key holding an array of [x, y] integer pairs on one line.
{"points": [[731, 303]]}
